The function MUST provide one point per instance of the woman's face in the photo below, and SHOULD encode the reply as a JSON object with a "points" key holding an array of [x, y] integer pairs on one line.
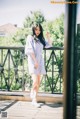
{"points": [[37, 31]]}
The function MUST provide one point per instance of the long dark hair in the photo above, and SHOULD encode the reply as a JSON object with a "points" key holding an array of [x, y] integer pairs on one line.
{"points": [[40, 37]]}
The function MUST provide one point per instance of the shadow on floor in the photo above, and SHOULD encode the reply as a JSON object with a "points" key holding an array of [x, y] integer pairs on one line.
{"points": [[6, 104], [53, 105]]}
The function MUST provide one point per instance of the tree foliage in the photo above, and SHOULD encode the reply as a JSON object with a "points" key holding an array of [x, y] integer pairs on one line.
{"points": [[56, 29], [36, 17]]}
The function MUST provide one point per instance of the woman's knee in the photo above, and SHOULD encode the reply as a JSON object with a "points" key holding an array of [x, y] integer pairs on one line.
{"points": [[36, 80]]}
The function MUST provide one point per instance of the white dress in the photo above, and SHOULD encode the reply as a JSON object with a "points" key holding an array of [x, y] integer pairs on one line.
{"points": [[35, 47]]}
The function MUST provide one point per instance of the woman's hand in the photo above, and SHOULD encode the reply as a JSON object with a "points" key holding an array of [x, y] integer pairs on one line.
{"points": [[35, 61], [36, 65]]}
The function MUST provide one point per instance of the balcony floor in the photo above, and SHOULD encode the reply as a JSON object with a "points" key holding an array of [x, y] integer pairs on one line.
{"points": [[24, 110], [17, 105]]}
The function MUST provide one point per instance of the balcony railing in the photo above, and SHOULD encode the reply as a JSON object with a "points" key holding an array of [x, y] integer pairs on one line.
{"points": [[14, 72]]}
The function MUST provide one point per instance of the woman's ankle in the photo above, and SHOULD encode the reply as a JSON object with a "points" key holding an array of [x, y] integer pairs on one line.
{"points": [[33, 94]]}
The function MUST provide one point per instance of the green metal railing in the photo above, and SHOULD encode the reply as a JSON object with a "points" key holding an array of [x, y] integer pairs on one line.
{"points": [[14, 72]]}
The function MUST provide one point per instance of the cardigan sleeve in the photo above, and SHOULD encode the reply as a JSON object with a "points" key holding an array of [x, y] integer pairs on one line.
{"points": [[47, 44], [29, 48]]}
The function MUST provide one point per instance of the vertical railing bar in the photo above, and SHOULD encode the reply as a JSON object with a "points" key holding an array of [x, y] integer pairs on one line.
{"points": [[46, 70], [1, 65], [23, 86], [60, 71], [10, 83], [52, 70], [15, 67], [8, 69]]}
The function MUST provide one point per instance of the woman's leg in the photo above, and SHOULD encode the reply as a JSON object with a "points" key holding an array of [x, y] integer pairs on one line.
{"points": [[39, 81], [35, 87], [35, 83]]}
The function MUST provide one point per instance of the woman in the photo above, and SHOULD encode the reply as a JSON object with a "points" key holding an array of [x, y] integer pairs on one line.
{"points": [[34, 46]]}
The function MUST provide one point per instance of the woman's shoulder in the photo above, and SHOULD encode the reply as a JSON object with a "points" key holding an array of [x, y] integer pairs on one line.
{"points": [[30, 37]]}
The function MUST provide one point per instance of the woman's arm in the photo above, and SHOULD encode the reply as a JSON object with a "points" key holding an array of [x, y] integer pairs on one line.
{"points": [[34, 59], [48, 38], [48, 41], [29, 50]]}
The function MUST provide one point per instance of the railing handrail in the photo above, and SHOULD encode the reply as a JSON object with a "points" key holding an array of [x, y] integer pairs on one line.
{"points": [[22, 47], [11, 47]]}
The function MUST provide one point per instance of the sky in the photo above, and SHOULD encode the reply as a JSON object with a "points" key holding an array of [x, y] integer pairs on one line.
{"points": [[15, 11]]}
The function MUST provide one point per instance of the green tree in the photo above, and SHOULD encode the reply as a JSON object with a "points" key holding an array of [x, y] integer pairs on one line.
{"points": [[56, 29], [35, 16]]}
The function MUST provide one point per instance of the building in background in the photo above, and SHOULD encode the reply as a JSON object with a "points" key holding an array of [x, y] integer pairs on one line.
{"points": [[8, 29]]}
